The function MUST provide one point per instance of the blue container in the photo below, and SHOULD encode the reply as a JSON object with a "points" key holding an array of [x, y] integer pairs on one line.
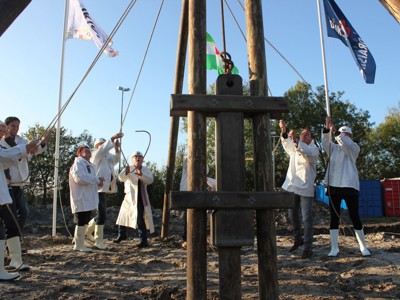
{"points": [[320, 195], [370, 200]]}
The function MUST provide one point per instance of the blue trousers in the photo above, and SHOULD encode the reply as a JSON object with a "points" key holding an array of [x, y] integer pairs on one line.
{"points": [[305, 205]]}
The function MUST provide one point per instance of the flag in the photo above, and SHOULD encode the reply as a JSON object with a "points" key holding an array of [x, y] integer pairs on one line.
{"points": [[214, 59], [339, 27], [82, 26]]}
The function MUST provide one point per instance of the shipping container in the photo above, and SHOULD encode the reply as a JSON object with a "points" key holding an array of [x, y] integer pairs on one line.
{"points": [[391, 196]]}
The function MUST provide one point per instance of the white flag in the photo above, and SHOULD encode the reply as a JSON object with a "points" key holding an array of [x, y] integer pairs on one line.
{"points": [[82, 26]]}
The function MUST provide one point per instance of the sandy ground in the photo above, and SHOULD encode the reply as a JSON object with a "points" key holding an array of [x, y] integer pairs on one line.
{"points": [[159, 271]]}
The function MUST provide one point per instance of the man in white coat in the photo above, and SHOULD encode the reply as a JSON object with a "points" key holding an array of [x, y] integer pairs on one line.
{"points": [[104, 162], [6, 159], [19, 169], [84, 198], [300, 180], [136, 210]]}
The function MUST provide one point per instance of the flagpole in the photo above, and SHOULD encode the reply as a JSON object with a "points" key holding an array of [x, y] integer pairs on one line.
{"points": [[321, 33], [57, 148]]}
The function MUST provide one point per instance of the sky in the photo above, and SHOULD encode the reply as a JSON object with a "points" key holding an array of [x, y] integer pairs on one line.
{"points": [[30, 64]]}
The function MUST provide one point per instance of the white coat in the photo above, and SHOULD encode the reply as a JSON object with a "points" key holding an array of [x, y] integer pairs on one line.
{"points": [[6, 160], [19, 170], [83, 184], [211, 182], [128, 213], [342, 170], [302, 167], [105, 162]]}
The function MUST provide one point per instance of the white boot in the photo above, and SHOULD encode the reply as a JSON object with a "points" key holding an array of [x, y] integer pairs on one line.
{"points": [[361, 241], [14, 248], [87, 245], [90, 230], [334, 242], [98, 236], [80, 239], [4, 275]]}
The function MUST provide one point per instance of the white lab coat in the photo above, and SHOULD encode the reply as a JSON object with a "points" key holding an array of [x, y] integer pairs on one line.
{"points": [[6, 160], [105, 162], [128, 212], [342, 170], [302, 167], [19, 170], [83, 184]]}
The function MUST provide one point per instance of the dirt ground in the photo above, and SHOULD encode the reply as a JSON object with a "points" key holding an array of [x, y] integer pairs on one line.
{"points": [[159, 271]]}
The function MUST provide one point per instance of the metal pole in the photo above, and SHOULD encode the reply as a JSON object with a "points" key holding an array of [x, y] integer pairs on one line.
{"points": [[122, 89]]}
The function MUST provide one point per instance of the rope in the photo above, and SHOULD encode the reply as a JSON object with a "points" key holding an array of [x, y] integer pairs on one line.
{"points": [[143, 61]]}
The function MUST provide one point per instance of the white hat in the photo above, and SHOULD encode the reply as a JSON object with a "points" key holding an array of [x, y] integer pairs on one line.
{"points": [[137, 153], [345, 129], [98, 141]]}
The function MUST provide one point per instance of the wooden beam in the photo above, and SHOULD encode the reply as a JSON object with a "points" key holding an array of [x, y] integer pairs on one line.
{"points": [[211, 104], [216, 200], [9, 11]]}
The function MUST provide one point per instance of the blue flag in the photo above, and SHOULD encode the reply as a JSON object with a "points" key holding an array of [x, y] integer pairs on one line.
{"points": [[339, 27]]}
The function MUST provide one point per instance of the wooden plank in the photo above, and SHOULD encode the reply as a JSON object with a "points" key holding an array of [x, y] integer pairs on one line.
{"points": [[215, 200], [9, 11], [174, 127], [211, 104]]}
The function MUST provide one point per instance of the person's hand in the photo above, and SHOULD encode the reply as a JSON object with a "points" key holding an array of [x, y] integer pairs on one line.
{"points": [[293, 135], [127, 170], [282, 125], [138, 171], [46, 136], [32, 146], [117, 145], [101, 181], [118, 135]]}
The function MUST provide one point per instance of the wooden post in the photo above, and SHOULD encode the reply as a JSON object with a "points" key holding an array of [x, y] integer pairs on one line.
{"points": [[197, 181], [174, 127], [266, 235]]}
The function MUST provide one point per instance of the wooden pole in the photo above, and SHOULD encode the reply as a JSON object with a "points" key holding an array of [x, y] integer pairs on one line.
{"points": [[266, 235], [197, 181], [174, 127]]}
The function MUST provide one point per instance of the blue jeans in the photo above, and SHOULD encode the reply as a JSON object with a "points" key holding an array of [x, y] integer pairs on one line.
{"points": [[305, 204]]}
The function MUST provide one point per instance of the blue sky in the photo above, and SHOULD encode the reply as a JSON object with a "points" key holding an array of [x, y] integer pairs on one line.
{"points": [[30, 55]]}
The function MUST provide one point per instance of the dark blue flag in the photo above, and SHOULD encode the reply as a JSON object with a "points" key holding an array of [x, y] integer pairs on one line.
{"points": [[339, 27]]}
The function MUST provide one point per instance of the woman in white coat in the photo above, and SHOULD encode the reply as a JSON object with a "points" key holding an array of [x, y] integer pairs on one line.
{"points": [[84, 198], [342, 181], [136, 210]]}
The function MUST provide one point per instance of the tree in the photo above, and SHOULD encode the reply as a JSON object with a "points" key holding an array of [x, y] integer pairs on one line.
{"points": [[384, 158]]}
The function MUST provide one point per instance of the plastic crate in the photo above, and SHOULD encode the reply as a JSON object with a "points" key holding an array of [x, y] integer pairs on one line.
{"points": [[370, 200]]}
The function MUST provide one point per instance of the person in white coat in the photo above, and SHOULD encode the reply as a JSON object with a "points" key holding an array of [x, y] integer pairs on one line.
{"points": [[84, 198], [19, 169], [300, 179], [13, 240], [104, 162], [135, 211], [342, 182]]}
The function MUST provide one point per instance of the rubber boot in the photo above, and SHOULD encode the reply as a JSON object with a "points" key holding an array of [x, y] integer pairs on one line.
{"points": [[90, 230], [4, 275], [14, 248], [87, 245], [361, 241], [80, 239], [334, 242], [98, 236]]}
